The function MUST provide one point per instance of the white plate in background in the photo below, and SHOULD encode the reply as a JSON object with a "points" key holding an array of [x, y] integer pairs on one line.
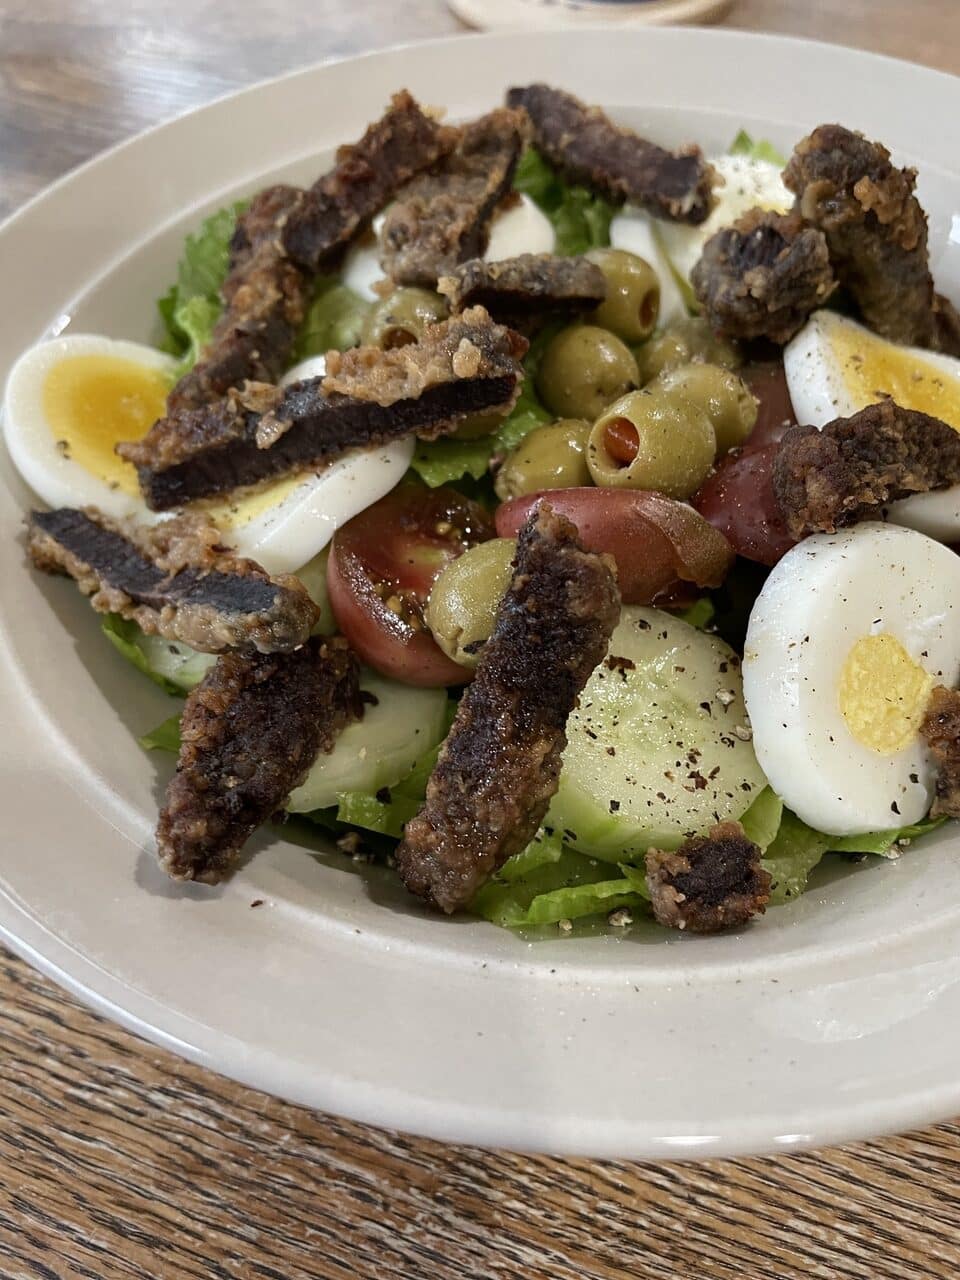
{"points": [[497, 15], [833, 1018]]}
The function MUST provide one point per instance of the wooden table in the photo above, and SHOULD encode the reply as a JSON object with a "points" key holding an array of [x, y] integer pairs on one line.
{"points": [[118, 1160]]}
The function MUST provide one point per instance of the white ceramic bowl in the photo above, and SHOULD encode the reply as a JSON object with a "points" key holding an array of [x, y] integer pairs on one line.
{"points": [[836, 1017]]}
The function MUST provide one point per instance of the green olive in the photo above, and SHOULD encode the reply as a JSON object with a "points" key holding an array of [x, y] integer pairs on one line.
{"points": [[402, 318], [632, 304], [652, 439], [465, 598], [681, 342], [550, 457], [583, 369], [725, 398], [477, 425]]}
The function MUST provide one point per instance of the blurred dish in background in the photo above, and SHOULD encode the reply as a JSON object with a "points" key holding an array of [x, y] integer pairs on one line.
{"points": [[504, 14]]}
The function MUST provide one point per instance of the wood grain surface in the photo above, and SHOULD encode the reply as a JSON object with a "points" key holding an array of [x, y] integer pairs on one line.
{"points": [[118, 1160]]}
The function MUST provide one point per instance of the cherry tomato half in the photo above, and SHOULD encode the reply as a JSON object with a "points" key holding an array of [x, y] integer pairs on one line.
{"points": [[383, 564], [738, 499]]}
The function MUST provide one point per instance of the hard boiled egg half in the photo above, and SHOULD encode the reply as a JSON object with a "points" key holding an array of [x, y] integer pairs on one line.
{"points": [[846, 640], [522, 227], [835, 367], [69, 401], [673, 248]]}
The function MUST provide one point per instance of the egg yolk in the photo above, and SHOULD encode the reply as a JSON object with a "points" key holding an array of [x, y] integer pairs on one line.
{"points": [[93, 402], [883, 694], [873, 369], [240, 508]]}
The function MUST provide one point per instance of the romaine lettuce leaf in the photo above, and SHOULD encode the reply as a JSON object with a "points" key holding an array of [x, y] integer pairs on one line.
{"points": [[176, 668], [546, 883], [761, 822], [882, 842], [581, 219], [190, 307], [744, 145]]}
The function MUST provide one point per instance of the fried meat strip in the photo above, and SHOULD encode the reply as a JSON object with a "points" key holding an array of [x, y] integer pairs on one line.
{"points": [[827, 479], [250, 732], [500, 764], [265, 299], [876, 232], [710, 883], [516, 288], [173, 579], [466, 365], [588, 147], [941, 732], [443, 217], [762, 276], [401, 144]]}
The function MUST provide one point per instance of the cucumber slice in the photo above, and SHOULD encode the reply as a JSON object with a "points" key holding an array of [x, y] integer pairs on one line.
{"points": [[178, 663], [313, 575], [658, 749], [378, 750]]}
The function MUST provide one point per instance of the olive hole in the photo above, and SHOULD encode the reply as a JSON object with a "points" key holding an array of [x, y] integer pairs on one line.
{"points": [[648, 309], [397, 336], [622, 441]]}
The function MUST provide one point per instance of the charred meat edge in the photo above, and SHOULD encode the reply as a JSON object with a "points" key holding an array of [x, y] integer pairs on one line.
{"points": [[940, 730], [265, 300], [824, 480], [249, 734], [500, 764], [515, 288], [403, 143], [588, 147], [442, 218], [876, 231], [762, 276], [710, 883], [464, 366], [173, 579], [268, 287]]}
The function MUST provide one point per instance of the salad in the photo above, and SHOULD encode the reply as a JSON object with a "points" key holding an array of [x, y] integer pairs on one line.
{"points": [[565, 521]]}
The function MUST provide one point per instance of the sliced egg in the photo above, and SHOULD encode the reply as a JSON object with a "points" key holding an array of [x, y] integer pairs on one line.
{"points": [[71, 400], [68, 402], [521, 228], [835, 367], [748, 183], [633, 230], [845, 642]]}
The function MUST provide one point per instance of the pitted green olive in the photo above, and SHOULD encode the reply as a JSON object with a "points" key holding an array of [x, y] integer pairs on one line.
{"points": [[403, 317], [681, 342], [725, 399], [651, 439], [583, 369], [632, 305], [465, 598], [553, 456]]}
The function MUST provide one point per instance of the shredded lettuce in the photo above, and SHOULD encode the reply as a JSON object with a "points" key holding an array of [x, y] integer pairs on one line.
{"points": [[334, 320], [581, 219], [762, 821], [191, 307], [699, 614], [744, 145], [883, 842]]}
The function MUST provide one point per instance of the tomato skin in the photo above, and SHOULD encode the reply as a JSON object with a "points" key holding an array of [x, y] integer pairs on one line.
{"points": [[738, 499], [382, 566], [768, 382], [656, 541]]}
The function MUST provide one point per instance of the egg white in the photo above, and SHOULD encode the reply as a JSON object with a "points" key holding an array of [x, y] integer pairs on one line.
{"points": [[748, 183], [814, 369], [61, 481], [828, 592]]}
